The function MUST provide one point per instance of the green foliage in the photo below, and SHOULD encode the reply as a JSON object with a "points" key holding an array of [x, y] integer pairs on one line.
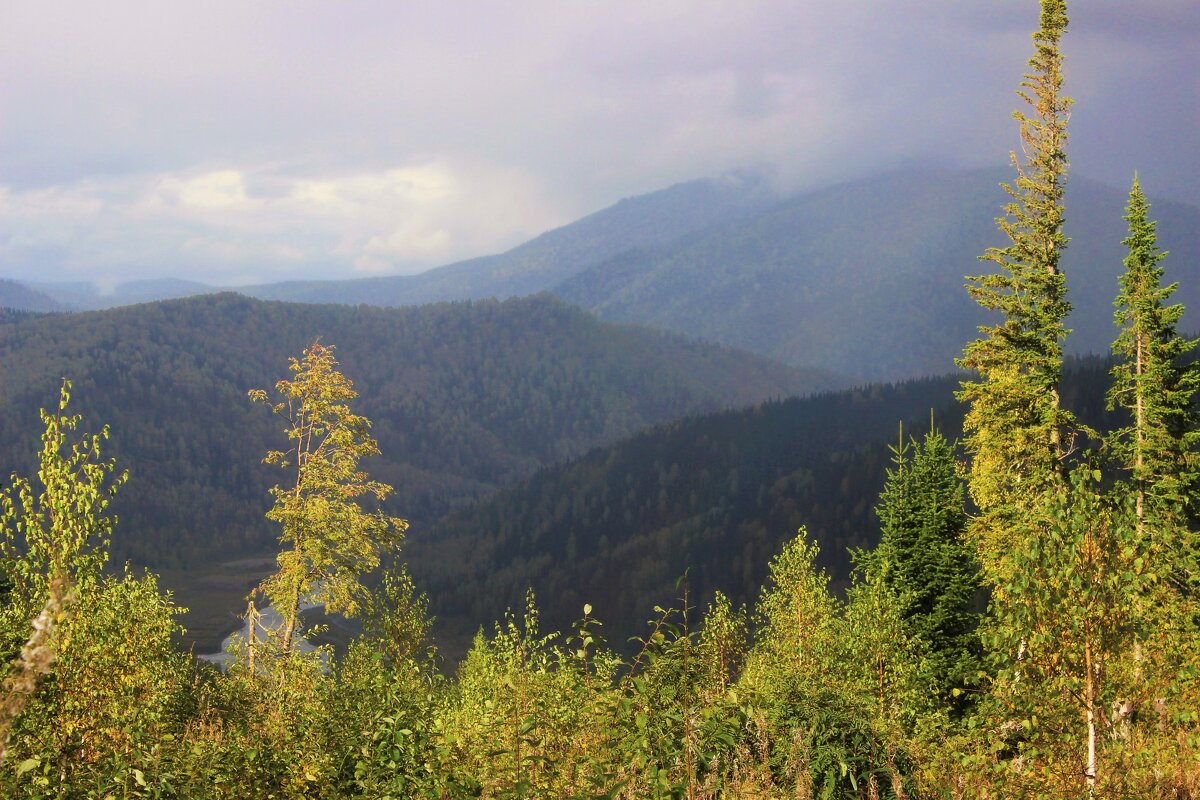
{"points": [[397, 622], [1018, 431], [526, 716], [117, 697], [1152, 381], [722, 646], [1064, 632], [118, 687], [331, 541], [63, 529], [837, 687], [924, 558]]}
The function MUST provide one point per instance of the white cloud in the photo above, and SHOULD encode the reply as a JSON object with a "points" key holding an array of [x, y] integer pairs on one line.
{"points": [[266, 223], [225, 189]]}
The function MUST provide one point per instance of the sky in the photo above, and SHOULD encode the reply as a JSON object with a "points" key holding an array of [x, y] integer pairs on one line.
{"points": [[246, 142]]}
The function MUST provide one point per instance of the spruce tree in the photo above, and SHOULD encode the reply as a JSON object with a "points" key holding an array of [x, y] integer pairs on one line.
{"points": [[1156, 383], [1158, 447], [1018, 433], [924, 558]]}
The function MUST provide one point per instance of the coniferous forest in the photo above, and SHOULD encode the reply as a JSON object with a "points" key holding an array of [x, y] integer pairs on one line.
{"points": [[1026, 626]]}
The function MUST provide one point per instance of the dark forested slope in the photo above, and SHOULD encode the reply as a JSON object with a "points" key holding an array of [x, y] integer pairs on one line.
{"points": [[465, 397], [715, 494]]}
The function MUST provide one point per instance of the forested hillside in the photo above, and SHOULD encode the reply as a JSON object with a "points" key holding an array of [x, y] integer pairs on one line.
{"points": [[866, 277], [465, 398], [713, 495], [536, 265], [861, 278]]}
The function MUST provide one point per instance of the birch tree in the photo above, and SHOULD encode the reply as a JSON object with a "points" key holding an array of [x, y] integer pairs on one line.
{"points": [[330, 539]]}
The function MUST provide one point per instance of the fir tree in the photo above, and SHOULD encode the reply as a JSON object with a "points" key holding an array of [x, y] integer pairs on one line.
{"points": [[924, 558], [1018, 433], [1158, 447], [1157, 385]]}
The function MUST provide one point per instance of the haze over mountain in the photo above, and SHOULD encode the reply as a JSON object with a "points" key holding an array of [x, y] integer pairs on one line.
{"points": [[646, 220], [317, 142], [863, 278], [649, 220], [85, 296], [869, 275], [19, 297]]}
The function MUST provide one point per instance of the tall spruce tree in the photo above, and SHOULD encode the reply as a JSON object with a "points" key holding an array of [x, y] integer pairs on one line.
{"points": [[1156, 384], [924, 557], [1018, 433], [1158, 447]]}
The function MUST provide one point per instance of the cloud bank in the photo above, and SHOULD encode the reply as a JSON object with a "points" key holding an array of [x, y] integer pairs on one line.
{"points": [[245, 142]]}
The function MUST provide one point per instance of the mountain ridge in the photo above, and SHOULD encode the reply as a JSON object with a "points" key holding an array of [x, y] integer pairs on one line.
{"points": [[889, 253], [464, 397], [864, 277]]}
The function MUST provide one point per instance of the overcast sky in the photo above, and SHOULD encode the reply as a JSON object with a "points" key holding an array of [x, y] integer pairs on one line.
{"points": [[248, 141]]}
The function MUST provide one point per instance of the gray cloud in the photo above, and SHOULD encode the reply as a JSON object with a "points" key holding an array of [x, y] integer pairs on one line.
{"points": [[118, 118]]}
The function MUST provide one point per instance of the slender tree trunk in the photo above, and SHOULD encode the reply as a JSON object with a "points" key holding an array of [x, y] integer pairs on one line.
{"points": [[289, 622], [1140, 437], [251, 634], [1090, 692], [1056, 434], [303, 448], [881, 687], [897, 781], [689, 764]]}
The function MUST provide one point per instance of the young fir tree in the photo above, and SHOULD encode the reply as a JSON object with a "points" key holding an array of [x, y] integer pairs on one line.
{"points": [[333, 540], [1018, 433], [924, 558], [1158, 447]]}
